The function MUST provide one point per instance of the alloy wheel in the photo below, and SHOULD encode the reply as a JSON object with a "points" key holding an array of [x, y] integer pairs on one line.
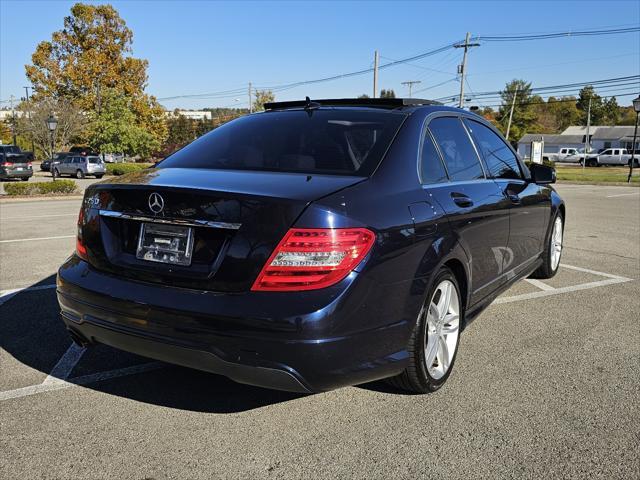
{"points": [[556, 243], [443, 328]]}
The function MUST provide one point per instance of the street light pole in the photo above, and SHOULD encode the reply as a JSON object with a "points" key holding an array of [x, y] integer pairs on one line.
{"points": [[636, 107], [52, 124]]}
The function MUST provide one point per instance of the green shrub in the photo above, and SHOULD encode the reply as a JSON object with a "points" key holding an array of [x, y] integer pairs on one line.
{"points": [[41, 188], [124, 168]]}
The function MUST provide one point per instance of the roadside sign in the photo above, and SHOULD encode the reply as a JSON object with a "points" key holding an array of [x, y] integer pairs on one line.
{"points": [[536, 151]]}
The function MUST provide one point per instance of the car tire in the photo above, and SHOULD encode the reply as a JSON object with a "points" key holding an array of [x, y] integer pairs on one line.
{"points": [[25, 179], [553, 250], [98, 177], [79, 174], [429, 334], [56, 172]]}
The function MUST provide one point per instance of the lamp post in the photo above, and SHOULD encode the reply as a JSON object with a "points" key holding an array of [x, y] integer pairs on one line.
{"points": [[52, 124], [636, 107]]}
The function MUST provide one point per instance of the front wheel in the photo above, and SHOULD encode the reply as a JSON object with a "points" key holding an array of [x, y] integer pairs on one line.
{"points": [[25, 179], [56, 172], [553, 250], [434, 341], [99, 176]]}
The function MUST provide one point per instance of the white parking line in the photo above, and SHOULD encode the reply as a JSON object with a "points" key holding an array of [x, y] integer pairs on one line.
{"points": [[8, 294], [79, 381], [623, 195], [65, 365], [539, 284], [35, 239]]}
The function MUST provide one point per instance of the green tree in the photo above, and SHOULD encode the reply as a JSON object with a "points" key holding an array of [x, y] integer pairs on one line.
{"points": [[387, 93], [598, 113], [524, 115], [262, 97], [612, 112], [5, 132], [90, 55], [114, 129], [364, 95]]}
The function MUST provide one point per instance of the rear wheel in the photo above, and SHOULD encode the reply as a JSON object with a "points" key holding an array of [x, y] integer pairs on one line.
{"points": [[434, 341], [99, 176], [79, 174], [553, 250], [25, 179], [592, 162]]}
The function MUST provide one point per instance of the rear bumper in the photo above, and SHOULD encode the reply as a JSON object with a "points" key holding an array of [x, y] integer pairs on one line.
{"points": [[13, 174], [265, 343]]}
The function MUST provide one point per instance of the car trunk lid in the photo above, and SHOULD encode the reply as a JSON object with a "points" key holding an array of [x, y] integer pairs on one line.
{"points": [[237, 219]]}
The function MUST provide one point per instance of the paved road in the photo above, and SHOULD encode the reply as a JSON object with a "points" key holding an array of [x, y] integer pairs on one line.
{"points": [[546, 382]]}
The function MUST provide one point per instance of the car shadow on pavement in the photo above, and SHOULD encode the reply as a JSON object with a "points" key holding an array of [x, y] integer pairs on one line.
{"points": [[32, 333]]}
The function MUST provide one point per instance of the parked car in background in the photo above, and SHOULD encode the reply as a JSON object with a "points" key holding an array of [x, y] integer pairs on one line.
{"points": [[14, 163], [316, 245], [80, 167], [568, 155], [45, 165], [113, 157], [612, 156]]}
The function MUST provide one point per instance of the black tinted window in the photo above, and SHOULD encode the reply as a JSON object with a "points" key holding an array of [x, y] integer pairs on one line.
{"points": [[331, 141], [500, 160], [457, 150], [432, 170]]}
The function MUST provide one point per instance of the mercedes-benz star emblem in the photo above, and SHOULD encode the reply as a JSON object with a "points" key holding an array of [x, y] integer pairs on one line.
{"points": [[156, 202]]}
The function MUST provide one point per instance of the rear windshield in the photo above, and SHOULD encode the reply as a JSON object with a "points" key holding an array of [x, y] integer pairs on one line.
{"points": [[94, 159], [323, 141], [10, 149]]}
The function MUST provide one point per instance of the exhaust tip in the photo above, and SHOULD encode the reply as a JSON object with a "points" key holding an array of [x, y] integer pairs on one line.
{"points": [[78, 338]]}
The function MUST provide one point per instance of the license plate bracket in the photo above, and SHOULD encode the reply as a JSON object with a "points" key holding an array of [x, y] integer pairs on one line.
{"points": [[163, 243]]}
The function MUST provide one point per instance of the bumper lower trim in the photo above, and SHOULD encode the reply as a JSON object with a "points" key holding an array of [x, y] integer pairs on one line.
{"points": [[188, 357]]}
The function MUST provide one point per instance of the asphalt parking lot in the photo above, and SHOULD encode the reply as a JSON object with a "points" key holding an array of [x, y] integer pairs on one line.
{"points": [[546, 383]]}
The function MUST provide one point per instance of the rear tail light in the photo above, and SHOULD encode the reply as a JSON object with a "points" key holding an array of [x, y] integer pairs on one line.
{"points": [[6, 164], [313, 258], [81, 249], [29, 164]]}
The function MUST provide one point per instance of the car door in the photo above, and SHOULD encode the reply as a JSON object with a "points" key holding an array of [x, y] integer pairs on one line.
{"points": [[63, 167], [477, 211], [605, 157], [529, 207]]}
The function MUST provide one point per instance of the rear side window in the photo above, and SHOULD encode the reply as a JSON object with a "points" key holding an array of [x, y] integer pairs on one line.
{"points": [[94, 159], [431, 167], [500, 160], [459, 155], [323, 141]]}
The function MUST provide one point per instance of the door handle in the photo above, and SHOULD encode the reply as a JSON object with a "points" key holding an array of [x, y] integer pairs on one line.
{"points": [[461, 200]]}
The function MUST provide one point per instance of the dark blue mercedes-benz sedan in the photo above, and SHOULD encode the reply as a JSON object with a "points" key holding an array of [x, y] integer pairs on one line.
{"points": [[315, 245]]}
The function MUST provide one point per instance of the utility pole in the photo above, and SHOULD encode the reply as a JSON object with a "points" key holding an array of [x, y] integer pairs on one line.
{"points": [[250, 100], [33, 145], [375, 74], [462, 69], [411, 83], [513, 104], [586, 138], [13, 118]]}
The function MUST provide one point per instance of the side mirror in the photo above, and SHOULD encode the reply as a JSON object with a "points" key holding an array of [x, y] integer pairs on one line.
{"points": [[543, 174]]}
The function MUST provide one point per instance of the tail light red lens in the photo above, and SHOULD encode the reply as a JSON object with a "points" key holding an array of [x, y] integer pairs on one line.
{"points": [[7, 164], [81, 249], [313, 258]]}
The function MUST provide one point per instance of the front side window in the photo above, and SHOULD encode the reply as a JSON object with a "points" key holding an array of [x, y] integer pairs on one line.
{"points": [[498, 157], [459, 155], [322, 141], [431, 167]]}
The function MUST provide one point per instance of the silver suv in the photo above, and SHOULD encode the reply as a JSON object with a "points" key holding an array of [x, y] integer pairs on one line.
{"points": [[80, 167]]}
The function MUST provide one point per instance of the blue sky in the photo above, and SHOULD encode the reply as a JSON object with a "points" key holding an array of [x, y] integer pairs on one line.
{"points": [[198, 47]]}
